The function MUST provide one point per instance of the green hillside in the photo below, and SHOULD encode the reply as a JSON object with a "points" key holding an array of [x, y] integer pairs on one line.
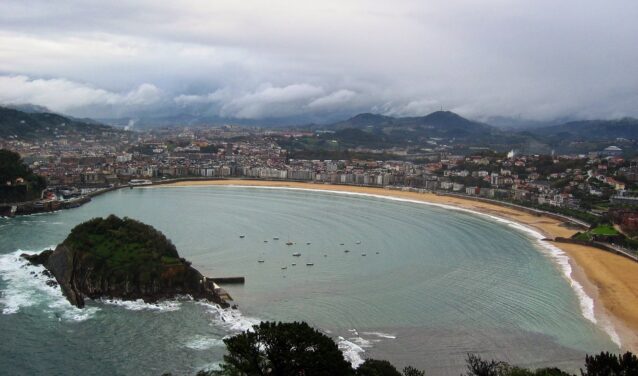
{"points": [[16, 124]]}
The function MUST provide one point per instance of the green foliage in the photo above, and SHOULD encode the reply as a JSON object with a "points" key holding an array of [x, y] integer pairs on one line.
{"points": [[411, 371], [550, 372], [12, 168], [283, 349], [38, 125], [508, 370], [606, 364], [373, 367], [607, 230], [584, 216], [583, 236], [479, 367], [123, 245]]}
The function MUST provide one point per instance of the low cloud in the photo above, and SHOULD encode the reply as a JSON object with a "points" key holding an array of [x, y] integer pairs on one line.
{"points": [[335, 100], [65, 96], [269, 101], [533, 59]]}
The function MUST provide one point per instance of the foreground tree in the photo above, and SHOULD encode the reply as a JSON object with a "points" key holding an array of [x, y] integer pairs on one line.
{"points": [[372, 367], [606, 364], [296, 349], [479, 367], [411, 371], [282, 349]]}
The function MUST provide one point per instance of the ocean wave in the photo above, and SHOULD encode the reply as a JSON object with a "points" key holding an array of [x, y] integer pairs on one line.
{"points": [[351, 351], [200, 342], [140, 305], [26, 286], [587, 304], [354, 347], [230, 319], [381, 335], [215, 366]]}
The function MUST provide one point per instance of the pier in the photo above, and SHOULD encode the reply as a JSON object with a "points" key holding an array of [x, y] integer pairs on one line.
{"points": [[223, 294], [229, 280]]}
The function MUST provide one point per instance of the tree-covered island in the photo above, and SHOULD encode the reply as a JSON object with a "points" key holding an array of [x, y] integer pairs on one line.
{"points": [[125, 259]]}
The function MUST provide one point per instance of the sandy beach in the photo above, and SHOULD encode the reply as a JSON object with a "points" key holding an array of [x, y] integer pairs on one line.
{"points": [[611, 280]]}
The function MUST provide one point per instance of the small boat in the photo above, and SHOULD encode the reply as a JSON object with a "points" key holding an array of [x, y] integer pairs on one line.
{"points": [[294, 264], [275, 238], [308, 243], [347, 250], [363, 254], [284, 267], [296, 254], [260, 261], [289, 242], [358, 241], [377, 252], [309, 264], [341, 244], [265, 241], [242, 236]]}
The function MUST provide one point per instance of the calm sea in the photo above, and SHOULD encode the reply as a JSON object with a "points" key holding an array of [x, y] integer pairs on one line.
{"points": [[419, 285]]}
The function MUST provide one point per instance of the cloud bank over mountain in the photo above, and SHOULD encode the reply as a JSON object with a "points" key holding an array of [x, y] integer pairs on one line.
{"points": [[315, 60]]}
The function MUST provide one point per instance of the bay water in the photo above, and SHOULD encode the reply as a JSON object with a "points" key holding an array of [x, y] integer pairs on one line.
{"points": [[411, 283]]}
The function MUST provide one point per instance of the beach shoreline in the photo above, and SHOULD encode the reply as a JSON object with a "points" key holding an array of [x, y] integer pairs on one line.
{"points": [[610, 280]]}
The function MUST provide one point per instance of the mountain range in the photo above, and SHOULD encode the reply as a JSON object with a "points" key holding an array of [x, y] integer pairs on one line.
{"points": [[574, 136], [378, 131]]}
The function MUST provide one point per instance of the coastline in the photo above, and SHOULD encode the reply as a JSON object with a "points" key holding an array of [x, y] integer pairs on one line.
{"points": [[611, 281]]}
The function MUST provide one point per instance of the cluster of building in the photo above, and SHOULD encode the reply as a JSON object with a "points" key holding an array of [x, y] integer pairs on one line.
{"points": [[561, 181]]}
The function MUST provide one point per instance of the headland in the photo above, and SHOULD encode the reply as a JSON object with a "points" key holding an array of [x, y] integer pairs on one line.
{"points": [[125, 259]]}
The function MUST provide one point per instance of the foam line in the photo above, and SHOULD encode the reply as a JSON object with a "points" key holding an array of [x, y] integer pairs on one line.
{"points": [[26, 286]]}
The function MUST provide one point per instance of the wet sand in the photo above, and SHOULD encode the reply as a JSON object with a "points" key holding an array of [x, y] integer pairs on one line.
{"points": [[611, 280]]}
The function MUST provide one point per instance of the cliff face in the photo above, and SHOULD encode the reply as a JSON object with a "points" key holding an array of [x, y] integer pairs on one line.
{"points": [[84, 268]]}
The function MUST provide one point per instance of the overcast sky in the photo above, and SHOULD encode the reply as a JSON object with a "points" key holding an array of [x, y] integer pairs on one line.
{"points": [[534, 59]]}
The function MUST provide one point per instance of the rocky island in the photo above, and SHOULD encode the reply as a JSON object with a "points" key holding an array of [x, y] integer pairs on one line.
{"points": [[122, 258]]}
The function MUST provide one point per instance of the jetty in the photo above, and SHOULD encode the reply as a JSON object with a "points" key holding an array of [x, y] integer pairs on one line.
{"points": [[229, 280], [221, 292]]}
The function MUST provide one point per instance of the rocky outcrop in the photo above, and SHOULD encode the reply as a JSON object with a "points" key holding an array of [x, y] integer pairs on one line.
{"points": [[87, 269]]}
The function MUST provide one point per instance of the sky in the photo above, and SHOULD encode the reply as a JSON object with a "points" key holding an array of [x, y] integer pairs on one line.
{"points": [[322, 60]]}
